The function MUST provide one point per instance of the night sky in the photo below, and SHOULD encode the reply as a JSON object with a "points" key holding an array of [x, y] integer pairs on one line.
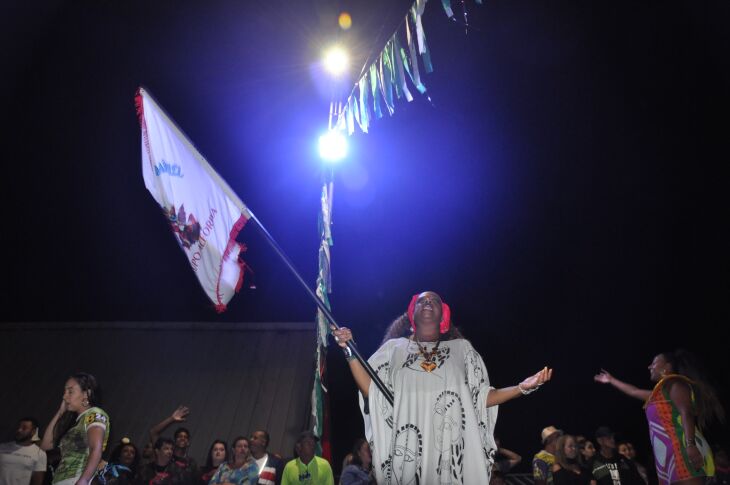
{"points": [[564, 189]]}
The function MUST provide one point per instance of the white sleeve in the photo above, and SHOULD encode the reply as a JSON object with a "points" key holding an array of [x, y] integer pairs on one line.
{"points": [[41, 462]]}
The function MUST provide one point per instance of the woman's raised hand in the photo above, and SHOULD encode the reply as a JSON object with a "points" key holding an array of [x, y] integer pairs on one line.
{"points": [[536, 380], [603, 377]]}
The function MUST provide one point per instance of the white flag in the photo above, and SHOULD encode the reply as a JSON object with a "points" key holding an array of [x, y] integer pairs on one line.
{"points": [[204, 213]]}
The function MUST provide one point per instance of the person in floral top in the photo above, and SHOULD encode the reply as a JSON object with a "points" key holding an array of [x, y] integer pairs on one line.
{"points": [[241, 469]]}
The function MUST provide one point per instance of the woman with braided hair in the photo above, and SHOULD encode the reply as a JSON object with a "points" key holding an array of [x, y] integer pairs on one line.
{"points": [[440, 428], [679, 406]]}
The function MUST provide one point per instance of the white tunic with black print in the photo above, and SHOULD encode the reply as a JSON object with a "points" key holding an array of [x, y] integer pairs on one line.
{"points": [[439, 430]]}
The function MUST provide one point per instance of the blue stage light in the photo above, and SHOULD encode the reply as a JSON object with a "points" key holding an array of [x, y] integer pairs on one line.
{"points": [[332, 146]]}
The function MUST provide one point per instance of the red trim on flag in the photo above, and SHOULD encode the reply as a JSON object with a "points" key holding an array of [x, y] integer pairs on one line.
{"points": [[220, 307], [139, 104]]}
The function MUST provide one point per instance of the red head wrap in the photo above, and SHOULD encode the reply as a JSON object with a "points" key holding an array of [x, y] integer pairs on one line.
{"points": [[445, 315]]}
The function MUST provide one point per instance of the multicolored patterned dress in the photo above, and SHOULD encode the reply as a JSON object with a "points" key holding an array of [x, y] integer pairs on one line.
{"points": [[666, 434]]}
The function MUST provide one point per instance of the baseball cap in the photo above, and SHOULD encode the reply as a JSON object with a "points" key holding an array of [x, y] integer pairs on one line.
{"points": [[307, 434], [548, 432]]}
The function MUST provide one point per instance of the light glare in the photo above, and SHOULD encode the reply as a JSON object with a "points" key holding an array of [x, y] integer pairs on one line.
{"points": [[345, 21], [336, 61], [332, 146]]}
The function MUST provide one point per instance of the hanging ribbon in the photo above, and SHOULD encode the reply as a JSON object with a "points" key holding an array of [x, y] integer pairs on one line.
{"points": [[375, 89], [387, 77], [388, 72]]}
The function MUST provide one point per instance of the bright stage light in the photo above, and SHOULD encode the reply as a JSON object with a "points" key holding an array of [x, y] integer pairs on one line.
{"points": [[332, 146], [336, 61]]}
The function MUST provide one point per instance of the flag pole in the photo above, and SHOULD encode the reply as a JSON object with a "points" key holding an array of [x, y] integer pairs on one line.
{"points": [[142, 92], [323, 308]]}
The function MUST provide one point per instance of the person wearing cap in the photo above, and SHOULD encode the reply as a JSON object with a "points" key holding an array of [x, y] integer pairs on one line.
{"points": [[440, 428], [22, 462], [543, 461], [610, 468], [307, 468]]}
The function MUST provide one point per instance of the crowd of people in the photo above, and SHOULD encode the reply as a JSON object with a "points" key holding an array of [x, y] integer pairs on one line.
{"points": [[602, 459], [429, 412], [73, 448]]}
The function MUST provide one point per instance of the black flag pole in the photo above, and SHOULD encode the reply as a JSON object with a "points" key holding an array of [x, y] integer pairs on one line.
{"points": [[323, 308]]}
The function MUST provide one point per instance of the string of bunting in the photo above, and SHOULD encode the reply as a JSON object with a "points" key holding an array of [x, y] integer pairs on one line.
{"points": [[396, 66]]}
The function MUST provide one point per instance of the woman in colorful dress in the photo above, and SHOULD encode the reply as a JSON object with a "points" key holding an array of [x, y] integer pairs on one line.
{"points": [[677, 409], [241, 469], [80, 430], [440, 428]]}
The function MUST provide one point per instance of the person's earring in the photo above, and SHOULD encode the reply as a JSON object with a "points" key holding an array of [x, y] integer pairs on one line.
{"points": [[85, 402]]}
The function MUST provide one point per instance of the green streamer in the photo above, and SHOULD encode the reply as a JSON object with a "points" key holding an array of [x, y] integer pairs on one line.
{"points": [[375, 87]]}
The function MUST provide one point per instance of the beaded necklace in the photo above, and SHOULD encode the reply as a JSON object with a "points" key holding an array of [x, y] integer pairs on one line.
{"points": [[428, 364]]}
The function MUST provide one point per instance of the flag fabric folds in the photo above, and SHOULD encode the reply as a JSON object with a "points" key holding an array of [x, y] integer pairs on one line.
{"points": [[320, 395], [205, 215]]}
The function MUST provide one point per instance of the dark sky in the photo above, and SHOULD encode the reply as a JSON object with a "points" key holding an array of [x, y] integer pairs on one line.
{"points": [[564, 190]]}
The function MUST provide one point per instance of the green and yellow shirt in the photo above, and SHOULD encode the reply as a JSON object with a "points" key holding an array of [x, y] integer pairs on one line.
{"points": [[74, 445]]}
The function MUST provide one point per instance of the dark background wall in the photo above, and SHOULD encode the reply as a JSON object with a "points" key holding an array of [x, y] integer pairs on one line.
{"points": [[235, 378]]}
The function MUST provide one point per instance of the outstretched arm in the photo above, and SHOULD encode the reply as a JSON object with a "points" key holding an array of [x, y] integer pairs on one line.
{"points": [[179, 415], [500, 396], [361, 376], [604, 377]]}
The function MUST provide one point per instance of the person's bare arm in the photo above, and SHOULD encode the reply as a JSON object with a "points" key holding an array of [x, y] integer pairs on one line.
{"points": [[513, 458], [36, 478], [604, 377], [95, 435], [681, 394], [500, 396], [361, 376], [47, 440], [177, 416]]}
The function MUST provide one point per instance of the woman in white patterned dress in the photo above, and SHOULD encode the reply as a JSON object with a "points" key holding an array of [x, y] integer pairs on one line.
{"points": [[441, 425]]}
